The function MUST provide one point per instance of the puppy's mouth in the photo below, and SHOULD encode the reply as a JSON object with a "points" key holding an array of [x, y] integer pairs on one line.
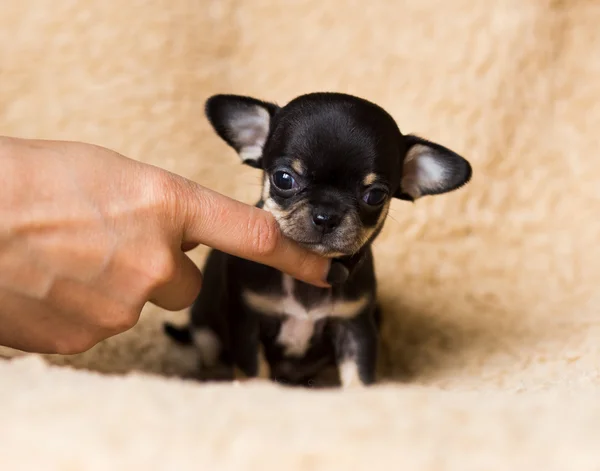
{"points": [[322, 249], [322, 245], [295, 224]]}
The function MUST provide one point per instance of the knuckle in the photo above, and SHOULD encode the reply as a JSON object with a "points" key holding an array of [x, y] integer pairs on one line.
{"points": [[165, 194], [264, 235], [161, 267], [157, 185], [171, 194], [119, 322], [308, 268], [127, 322], [75, 344]]}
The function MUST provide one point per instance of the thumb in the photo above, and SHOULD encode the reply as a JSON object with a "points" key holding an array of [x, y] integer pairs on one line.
{"points": [[220, 222]]}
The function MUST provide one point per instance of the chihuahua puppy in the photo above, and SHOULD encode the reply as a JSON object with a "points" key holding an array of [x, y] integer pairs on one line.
{"points": [[331, 163]]}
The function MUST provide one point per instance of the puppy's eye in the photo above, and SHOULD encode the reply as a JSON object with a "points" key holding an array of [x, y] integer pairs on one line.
{"points": [[284, 181], [374, 197]]}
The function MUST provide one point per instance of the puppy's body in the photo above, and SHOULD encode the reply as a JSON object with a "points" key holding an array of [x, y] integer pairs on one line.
{"points": [[300, 329], [331, 164]]}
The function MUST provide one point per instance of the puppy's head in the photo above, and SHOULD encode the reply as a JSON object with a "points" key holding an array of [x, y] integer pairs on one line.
{"points": [[332, 163]]}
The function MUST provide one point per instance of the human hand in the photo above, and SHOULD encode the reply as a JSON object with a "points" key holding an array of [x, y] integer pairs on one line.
{"points": [[89, 236]]}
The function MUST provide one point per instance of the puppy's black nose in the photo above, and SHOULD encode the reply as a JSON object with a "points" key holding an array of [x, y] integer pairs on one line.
{"points": [[326, 220]]}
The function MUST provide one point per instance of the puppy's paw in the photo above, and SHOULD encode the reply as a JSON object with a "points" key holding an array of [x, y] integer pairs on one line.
{"points": [[349, 375], [208, 347], [263, 373], [240, 378]]}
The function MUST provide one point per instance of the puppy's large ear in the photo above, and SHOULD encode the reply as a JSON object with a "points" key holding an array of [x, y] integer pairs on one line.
{"points": [[430, 169], [243, 122]]}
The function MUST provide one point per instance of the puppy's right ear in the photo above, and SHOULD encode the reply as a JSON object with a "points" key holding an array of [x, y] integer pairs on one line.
{"points": [[243, 122]]}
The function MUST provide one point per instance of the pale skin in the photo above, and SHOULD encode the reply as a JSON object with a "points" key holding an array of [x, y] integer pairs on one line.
{"points": [[89, 236]]}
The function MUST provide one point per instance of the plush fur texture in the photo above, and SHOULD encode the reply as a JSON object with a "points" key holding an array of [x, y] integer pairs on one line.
{"points": [[490, 294]]}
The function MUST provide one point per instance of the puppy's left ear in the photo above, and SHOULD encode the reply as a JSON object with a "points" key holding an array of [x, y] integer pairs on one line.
{"points": [[430, 169], [243, 123]]}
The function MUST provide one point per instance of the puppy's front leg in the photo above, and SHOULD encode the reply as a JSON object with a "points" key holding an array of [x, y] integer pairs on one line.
{"points": [[247, 352], [356, 349]]}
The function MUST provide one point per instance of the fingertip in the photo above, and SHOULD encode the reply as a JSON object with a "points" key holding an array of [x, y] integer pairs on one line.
{"points": [[314, 270], [337, 273]]}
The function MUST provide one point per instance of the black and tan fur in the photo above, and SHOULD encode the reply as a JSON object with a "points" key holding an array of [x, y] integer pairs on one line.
{"points": [[331, 163]]}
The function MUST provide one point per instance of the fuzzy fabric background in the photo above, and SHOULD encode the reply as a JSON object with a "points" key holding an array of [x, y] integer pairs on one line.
{"points": [[491, 347]]}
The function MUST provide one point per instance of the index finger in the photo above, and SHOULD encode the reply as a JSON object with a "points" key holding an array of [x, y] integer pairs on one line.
{"points": [[248, 232]]}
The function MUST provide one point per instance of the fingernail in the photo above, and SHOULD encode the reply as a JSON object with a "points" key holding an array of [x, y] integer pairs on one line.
{"points": [[338, 273]]}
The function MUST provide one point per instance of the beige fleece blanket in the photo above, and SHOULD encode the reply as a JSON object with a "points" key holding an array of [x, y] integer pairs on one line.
{"points": [[492, 325]]}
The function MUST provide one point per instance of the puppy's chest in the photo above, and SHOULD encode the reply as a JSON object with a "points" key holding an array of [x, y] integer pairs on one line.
{"points": [[302, 310]]}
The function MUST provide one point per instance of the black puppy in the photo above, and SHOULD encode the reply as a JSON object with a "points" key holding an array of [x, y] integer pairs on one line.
{"points": [[332, 164]]}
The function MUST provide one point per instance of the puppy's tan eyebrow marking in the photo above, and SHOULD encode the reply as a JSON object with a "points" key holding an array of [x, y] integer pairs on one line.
{"points": [[369, 179], [297, 166]]}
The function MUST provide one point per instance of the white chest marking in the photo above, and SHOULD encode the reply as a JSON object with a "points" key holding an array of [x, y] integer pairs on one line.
{"points": [[295, 335], [298, 327]]}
